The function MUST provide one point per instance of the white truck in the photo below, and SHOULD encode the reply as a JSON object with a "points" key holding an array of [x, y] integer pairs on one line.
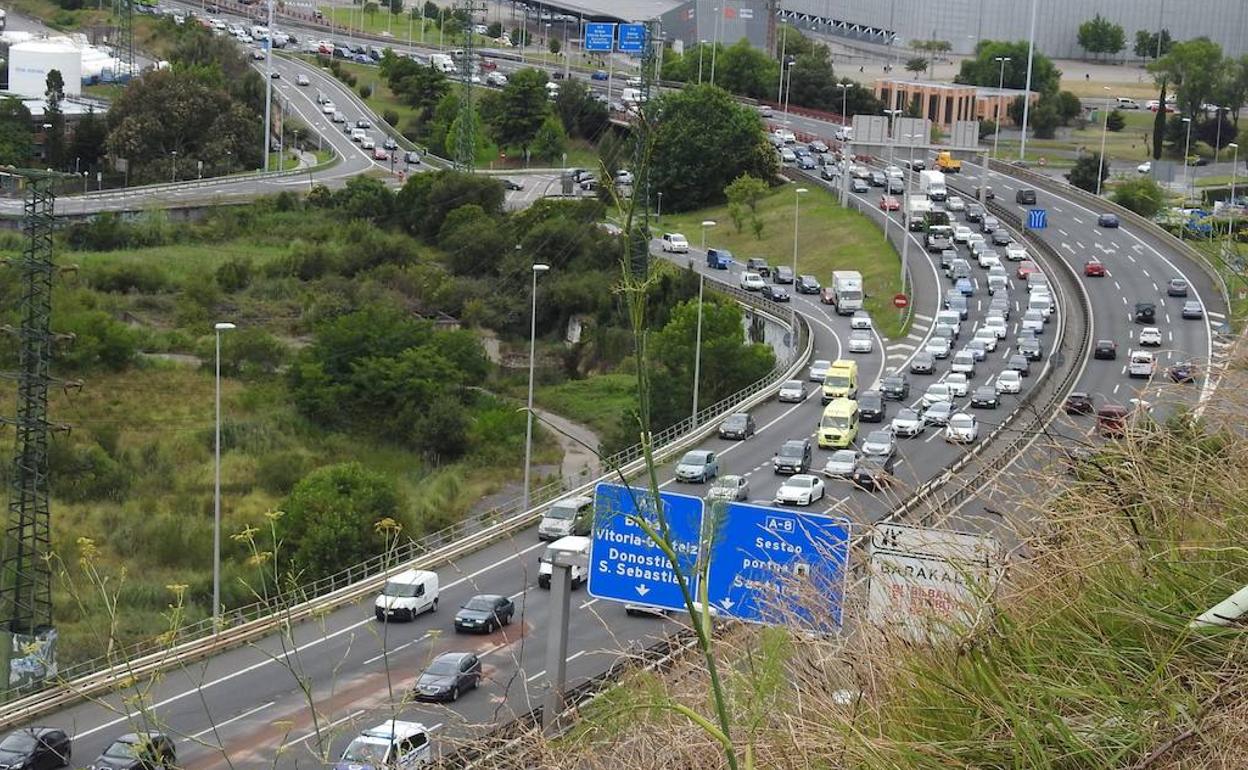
{"points": [[846, 291], [917, 209], [932, 184], [441, 62], [1141, 365]]}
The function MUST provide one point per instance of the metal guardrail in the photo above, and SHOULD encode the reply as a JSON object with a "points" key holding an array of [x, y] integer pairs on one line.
{"points": [[261, 618]]}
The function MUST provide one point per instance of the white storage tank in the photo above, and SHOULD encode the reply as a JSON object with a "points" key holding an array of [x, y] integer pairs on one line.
{"points": [[31, 61]]}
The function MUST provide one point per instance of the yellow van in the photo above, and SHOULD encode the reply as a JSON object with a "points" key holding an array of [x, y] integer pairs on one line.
{"points": [[841, 381], [839, 425]]}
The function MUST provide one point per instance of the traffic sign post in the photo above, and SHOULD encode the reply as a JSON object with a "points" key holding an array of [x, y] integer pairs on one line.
{"points": [[625, 565], [900, 301], [599, 37], [1037, 219], [632, 38], [761, 554]]}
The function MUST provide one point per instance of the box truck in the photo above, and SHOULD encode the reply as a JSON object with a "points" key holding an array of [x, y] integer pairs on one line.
{"points": [[932, 184], [846, 291]]}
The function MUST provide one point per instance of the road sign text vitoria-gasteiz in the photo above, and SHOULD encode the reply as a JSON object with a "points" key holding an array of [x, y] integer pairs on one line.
{"points": [[599, 36], [759, 557]]}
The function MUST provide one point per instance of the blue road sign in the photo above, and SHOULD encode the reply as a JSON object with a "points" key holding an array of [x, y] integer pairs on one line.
{"points": [[624, 563], [1037, 219], [632, 38], [759, 553], [599, 36]]}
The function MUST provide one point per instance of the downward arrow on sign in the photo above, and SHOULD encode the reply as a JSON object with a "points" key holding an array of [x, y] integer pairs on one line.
{"points": [[642, 590], [727, 603]]}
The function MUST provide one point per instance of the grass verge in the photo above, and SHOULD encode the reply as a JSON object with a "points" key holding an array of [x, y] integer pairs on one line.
{"points": [[596, 401]]}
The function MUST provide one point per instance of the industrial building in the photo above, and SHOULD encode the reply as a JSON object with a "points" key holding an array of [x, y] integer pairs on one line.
{"points": [[947, 103], [30, 59]]}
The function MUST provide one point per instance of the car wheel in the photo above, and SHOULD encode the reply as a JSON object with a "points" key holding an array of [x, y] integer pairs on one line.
{"points": [[434, 608], [507, 619], [476, 683], [455, 693]]}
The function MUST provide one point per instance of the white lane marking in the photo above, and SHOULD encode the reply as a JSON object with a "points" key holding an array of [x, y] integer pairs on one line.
{"points": [[922, 317], [1063, 232], [1078, 220], [400, 648], [1080, 245], [231, 720], [322, 730], [589, 603], [1117, 286]]}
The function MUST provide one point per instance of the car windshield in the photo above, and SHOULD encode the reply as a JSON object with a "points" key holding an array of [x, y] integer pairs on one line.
{"points": [[483, 603], [818, 365], [879, 437], [836, 422], [801, 483], [121, 750], [562, 511], [792, 385], [961, 421], [789, 452], [694, 458], [735, 422], [844, 456], [401, 590], [443, 667], [726, 483], [18, 743], [365, 752], [837, 380], [907, 414], [938, 390]]}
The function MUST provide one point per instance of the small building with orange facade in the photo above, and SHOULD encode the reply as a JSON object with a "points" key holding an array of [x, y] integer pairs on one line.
{"points": [[946, 103]]}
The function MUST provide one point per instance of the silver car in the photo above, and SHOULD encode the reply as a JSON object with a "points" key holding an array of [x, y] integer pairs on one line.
{"points": [[729, 488], [938, 413], [861, 341], [819, 370], [699, 466], [841, 464], [879, 442], [792, 392], [907, 422]]}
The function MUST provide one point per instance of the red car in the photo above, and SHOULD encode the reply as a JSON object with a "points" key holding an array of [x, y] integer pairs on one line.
{"points": [[827, 295], [381, 153], [889, 203], [1094, 268], [1025, 268]]}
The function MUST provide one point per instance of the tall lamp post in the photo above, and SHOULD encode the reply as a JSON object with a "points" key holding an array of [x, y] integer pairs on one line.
{"points": [[705, 224], [697, 354], [1230, 226], [1187, 146], [905, 218], [1100, 165], [1031, 52], [223, 326], [1000, 96], [701, 47], [797, 200], [538, 269], [658, 218], [844, 102], [892, 115], [788, 67]]}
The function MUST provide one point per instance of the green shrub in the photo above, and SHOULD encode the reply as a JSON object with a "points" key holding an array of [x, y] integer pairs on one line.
{"points": [[86, 473], [391, 117], [234, 274], [128, 277], [366, 90], [278, 472], [99, 340]]}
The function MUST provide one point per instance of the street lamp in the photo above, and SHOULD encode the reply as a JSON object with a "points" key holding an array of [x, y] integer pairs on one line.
{"points": [[1234, 178], [905, 216], [659, 216], [797, 197], [223, 326], [892, 115], [1031, 52], [701, 47], [697, 353], [528, 428], [1100, 166], [1187, 145], [705, 224], [788, 67], [844, 102], [173, 173], [1000, 96]]}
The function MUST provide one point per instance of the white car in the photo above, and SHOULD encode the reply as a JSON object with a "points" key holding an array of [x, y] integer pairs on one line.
{"points": [[986, 336], [301, 79], [800, 489], [496, 78], [937, 391], [787, 155], [1033, 321], [989, 260], [961, 233], [841, 465], [752, 281], [819, 370], [367, 143], [1009, 381], [1016, 253], [1144, 167], [907, 422], [861, 341], [976, 238], [893, 171], [1150, 337], [958, 384], [785, 135], [938, 347], [962, 429], [792, 392], [675, 243], [998, 326], [955, 203], [328, 108], [963, 363], [861, 319]]}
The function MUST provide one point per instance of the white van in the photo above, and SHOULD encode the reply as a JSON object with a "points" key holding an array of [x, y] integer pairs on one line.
{"points": [[569, 516], [260, 33], [1125, 103], [1042, 301], [580, 573], [442, 62], [392, 744], [1037, 281], [407, 595], [552, 89]]}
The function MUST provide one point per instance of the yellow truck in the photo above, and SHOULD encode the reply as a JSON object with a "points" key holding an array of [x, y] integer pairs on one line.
{"points": [[947, 163]]}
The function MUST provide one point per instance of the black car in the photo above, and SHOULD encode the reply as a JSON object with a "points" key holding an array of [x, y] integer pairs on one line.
{"points": [[986, 193], [871, 407], [922, 363], [793, 457], [895, 387], [138, 751], [1031, 349], [874, 472], [1025, 196], [1107, 220], [1078, 402], [758, 265], [1145, 312], [738, 426], [35, 748], [449, 675], [808, 284], [818, 146], [511, 184], [1018, 363], [1106, 350], [985, 397], [361, 123], [1001, 238], [775, 293], [485, 613], [1182, 372], [974, 212]]}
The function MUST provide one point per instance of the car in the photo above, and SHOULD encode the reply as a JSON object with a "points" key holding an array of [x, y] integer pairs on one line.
{"points": [[964, 363], [35, 748], [871, 407], [1033, 321], [1197, 160], [1176, 287], [598, 75], [1193, 310], [873, 473], [138, 751], [998, 326], [807, 162], [819, 370], [787, 155], [1015, 252], [818, 146], [961, 233], [807, 284], [380, 153], [1009, 382], [368, 143], [1025, 268], [841, 464], [800, 489], [782, 274], [411, 157], [977, 349], [986, 336], [364, 124], [858, 185], [1078, 402], [1106, 220], [496, 79], [1000, 306], [889, 203], [877, 179], [1105, 350], [752, 281], [907, 422], [1145, 312], [390, 144], [946, 258], [1150, 337], [974, 213], [989, 224], [791, 392], [511, 184], [958, 383], [675, 243], [962, 429], [965, 287], [758, 265], [794, 457], [985, 397], [1026, 196], [1001, 238], [1142, 364], [938, 413], [955, 203], [896, 185], [485, 613], [302, 80], [937, 347], [861, 319], [448, 676], [729, 488], [895, 387], [861, 341], [392, 745], [697, 466], [775, 293], [827, 295], [935, 393], [328, 108], [1031, 349], [976, 243], [879, 442], [1144, 168], [922, 363], [1018, 363], [1094, 268], [1182, 372]]}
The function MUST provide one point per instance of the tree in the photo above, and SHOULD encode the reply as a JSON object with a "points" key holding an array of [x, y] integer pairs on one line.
{"points": [[982, 70], [1084, 173], [1067, 105], [745, 70], [332, 517], [1194, 68], [494, 30], [916, 64], [1217, 131], [582, 115], [551, 141], [554, 45], [523, 106], [1159, 120], [1045, 120], [370, 9], [1141, 195], [418, 86], [425, 199], [743, 196], [1232, 92], [1152, 45], [365, 197], [54, 136], [1115, 121], [395, 6], [705, 140], [15, 136], [812, 83], [1100, 35], [475, 243]]}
